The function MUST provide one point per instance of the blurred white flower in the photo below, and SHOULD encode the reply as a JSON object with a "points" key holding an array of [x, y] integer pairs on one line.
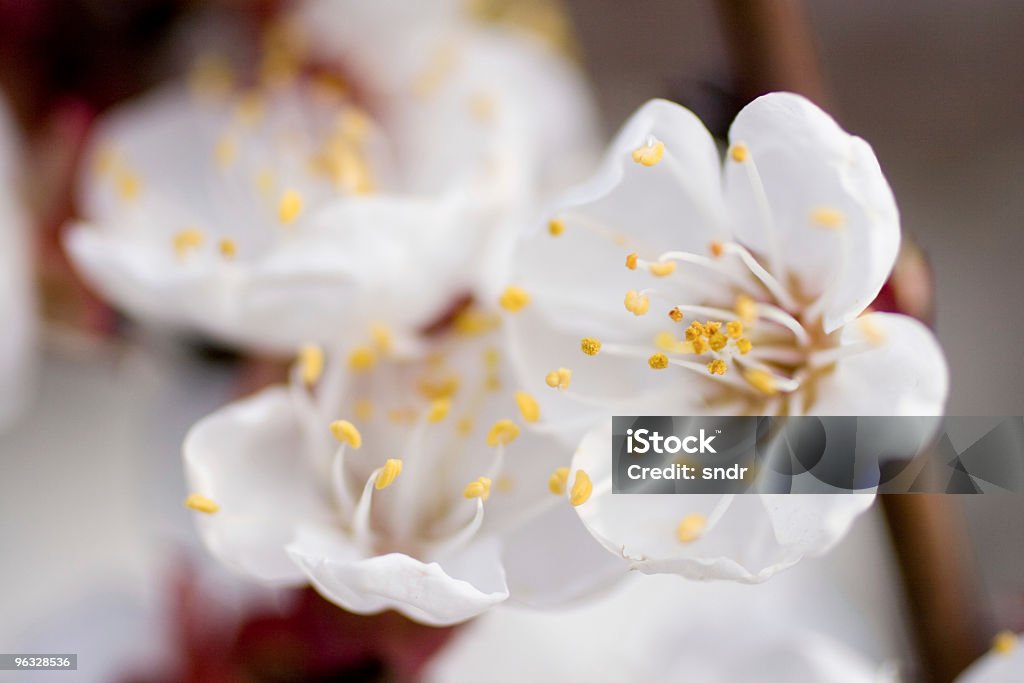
{"points": [[322, 201], [432, 497], [744, 292], [17, 302], [1004, 663]]}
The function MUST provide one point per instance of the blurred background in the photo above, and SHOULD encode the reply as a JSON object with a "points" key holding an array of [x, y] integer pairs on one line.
{"points": [[91, 526]]}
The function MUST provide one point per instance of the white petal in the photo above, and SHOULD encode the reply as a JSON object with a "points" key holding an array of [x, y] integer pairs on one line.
{"points": [[749, 538], [552, 559], [806, 161], [901, 372], [464, 586], [996, 667], [244, 458]]}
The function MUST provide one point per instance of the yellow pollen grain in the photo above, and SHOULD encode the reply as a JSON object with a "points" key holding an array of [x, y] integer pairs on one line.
{"points": [[590, 346], [717, 341], [556, 227], [716, 248], [559, 379], [228, 248], [502, 433], [363, 409], [528, 406], [762, 380], [827, 217], [717, 367], [187, 240], [289, 207], [636, 303], [478, 488], [691, 527], [631, 260], [746, 308], [128, 184], [658, 361], [582, 487], [225, 151], [514, 299], [345, 432], [1005, 642], [676, 315], [662, 268], [558, 481], [744, 345], [362, 358], [311, 363], [739, 153], [392, 468], [734, 328], [201, 504], [649, 154], [438, 410]]}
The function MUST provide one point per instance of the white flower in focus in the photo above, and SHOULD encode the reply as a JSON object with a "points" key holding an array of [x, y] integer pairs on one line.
{"points": [[669, 285], [415, 486], [17, 307], [1004, 663], [316, 204]]}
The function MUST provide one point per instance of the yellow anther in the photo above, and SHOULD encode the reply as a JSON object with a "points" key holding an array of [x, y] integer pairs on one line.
{"points": [[1005, 642], [201, 504], [435, 388], [691, 528], [744, 345], [717, 341], [225, 151], [528, 406], [187, 240], [712, 327], [658, 361], [514, 299], [762, 380], [717, 367], [739, 152], [631, 260], [827, 217], [264, 181], [289, 207], [558, 480], [502, 433], [438, 410], [362, 358], [392, 468], [697, 329], [228, 248], [716, 248], [700, 345], [734, 328], [582, 487], [363, 409], [636, 303], [128, 184], [482, 107], [464, 426], [311, 363], [345, 432], [650, 153], [590, 346], [556, 227], [478, 488], [871, 331], [746, 308], [676, 315], [661, 268], [559, 379], [381, 336]]}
